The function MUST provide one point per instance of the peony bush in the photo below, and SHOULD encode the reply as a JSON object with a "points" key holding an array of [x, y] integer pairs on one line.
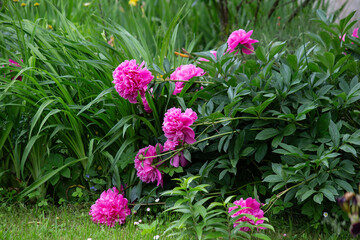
{"points": [[236, 111]]}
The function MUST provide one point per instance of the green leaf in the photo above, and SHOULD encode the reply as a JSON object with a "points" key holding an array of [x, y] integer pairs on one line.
{"points": [[261, 236], [322, 177], [307, 194], [277, 168], [45, 178], [292, 61], [96, 100], [166, 39], [262, 107], [239, 141], [323, 124], [66, 173], [201, 210], [247, 151], [318, 198], [345, 185], [276, 141], [55, 179], [334, 133], [260, 54], [348, 148], [273, 178], [328, 194], [289, 129], [276, 48], [261, 152], [267, 133]]}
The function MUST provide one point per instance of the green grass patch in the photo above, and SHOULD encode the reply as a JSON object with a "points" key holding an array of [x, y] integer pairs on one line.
{"points": [[73, 222], [65, 222]]}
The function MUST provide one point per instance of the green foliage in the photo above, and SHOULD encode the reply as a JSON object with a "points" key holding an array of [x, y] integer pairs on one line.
{"points": [[286, 115], [203, 220]]}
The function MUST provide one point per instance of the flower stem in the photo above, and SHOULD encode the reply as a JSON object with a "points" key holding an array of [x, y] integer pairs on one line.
{"points": [[237, 118], [178, 80]]}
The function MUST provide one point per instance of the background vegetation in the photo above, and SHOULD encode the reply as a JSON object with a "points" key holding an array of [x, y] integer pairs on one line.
{"points": [[284, 120]]}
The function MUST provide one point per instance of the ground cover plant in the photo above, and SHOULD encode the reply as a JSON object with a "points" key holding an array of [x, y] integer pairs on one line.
{"points": [[94, 101]]}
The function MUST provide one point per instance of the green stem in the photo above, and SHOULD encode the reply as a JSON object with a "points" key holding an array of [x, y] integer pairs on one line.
{"points": [[175, 80], [237, 118], [271, 203], [186, 146]]}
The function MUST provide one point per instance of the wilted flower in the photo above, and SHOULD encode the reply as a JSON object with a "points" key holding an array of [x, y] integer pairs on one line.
{"points": [[133, 2], [110, 208], [185, 73], [355, 33], [179, 159], [342, 38], [250, 206], [131, 79], [111, 41], [12, 62], [146, 104], [241, 39], [355, 229], [144, 161], [350, 204]]}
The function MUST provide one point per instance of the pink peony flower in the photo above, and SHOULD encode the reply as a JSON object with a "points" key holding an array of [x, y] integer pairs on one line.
{"points": [[205, 60], [251, 207], [241, 39], [170, 145], [176, 125], [131, 79], [144, 166], [110, 208], [185, 72], [355, 33]]}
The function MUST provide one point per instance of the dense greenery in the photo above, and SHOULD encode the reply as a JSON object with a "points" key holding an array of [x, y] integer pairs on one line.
{"points": [[282, 121]]}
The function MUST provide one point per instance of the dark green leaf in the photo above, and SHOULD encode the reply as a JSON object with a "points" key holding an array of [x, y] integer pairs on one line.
{"points": [[267, 133]]}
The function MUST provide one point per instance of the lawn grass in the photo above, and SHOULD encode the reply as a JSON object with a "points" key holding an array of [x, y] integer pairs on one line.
{"points": [[65, 222], [73, 222]]}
